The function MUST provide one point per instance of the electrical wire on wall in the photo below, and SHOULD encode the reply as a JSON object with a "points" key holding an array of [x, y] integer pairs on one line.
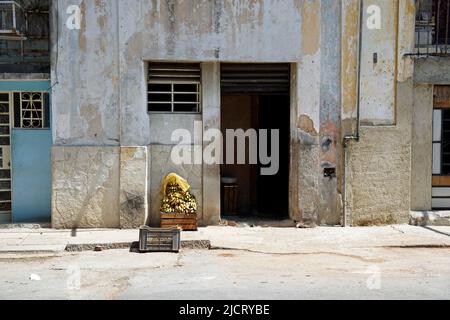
{"points": [[55, 23]]}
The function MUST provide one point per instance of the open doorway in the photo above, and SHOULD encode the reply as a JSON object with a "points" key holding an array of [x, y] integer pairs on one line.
{"points": [[255, 97]]}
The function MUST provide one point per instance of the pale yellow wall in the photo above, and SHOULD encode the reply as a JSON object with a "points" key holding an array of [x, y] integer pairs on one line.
{"points": [[378, 79]]}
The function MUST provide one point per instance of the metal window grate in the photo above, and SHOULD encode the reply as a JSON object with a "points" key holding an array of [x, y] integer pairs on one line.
{"points": [[432, 27], [174, 87], [31, 110]]}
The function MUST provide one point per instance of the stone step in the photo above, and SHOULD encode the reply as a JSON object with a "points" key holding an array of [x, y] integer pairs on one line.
{"points": [[430, 218]]}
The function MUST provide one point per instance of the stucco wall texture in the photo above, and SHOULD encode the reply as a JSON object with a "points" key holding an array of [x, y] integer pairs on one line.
{"points": [[100, 96], [379, 167]]}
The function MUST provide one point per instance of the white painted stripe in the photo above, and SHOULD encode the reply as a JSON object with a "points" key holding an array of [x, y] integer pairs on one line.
{"points": [[442, 203], [436, 158], [437, 125], [441, 192]]}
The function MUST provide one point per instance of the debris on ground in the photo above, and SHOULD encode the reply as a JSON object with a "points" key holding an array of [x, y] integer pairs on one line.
{"points": [[228, 223], [35, 277]]}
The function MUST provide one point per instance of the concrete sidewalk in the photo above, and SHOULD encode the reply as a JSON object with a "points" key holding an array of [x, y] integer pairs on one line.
{"points": [[257, 239]]}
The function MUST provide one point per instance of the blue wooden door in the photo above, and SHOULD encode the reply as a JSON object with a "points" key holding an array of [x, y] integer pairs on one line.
{"points": [[31, 175]]}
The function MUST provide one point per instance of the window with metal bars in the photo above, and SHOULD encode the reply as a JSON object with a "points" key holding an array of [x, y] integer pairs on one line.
{"points": [[174, 87], [433, 27], [441, 131], [31, 110]]}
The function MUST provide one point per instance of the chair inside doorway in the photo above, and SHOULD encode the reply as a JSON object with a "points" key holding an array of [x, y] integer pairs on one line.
{"points": [[255, 96]]}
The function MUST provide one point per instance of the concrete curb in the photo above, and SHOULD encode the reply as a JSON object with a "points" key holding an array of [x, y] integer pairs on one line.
{"points": [[82, 247], [32, 252], [187, 245], [32, 226]]}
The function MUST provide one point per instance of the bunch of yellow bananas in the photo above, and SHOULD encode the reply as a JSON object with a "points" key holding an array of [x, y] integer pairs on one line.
{"points": [[178, 201]]}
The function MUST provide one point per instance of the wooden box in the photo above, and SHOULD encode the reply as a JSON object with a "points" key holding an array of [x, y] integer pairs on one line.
{"points": [[187, 222]]}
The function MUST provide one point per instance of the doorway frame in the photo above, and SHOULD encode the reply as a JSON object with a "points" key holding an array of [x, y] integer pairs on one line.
{"points": [[211, 115], [33, 83]]}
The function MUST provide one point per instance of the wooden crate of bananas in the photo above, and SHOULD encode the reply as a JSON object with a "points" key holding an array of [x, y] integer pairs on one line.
{"points": [[178, 206]]}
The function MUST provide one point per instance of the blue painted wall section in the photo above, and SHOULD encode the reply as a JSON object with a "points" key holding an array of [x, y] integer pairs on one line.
{"points": [[25, 85], [31, 175]]}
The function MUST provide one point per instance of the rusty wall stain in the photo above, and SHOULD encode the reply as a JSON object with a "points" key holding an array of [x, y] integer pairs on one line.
{"points": [[310, 26], [349, 55], [127, 154], [91, 114], [82, 33], [306, 124]]}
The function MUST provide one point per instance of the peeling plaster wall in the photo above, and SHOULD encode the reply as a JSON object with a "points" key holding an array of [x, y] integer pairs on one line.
{"points": [[308, 121], [330, 108], [85, 191], [349, 64], [100, 98], [432, 70], [378, 80], [379, 165], [316, 141], [85, 100], [213, 30], [133, 187], [380, 169]]}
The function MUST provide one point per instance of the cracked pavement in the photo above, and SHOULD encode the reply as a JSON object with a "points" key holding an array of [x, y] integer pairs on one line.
{"points": [[394, 262]]}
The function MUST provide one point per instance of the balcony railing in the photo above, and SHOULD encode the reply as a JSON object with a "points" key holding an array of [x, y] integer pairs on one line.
{"points": [[24, 36], [432, 28], [12, 19]]}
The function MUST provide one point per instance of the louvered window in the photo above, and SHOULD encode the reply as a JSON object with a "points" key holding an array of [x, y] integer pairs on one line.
{"points": [[268, 78], [174, 87]]}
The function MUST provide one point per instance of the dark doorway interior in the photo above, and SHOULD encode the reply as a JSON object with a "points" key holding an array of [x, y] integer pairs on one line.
{"points": [[257, 97], [273, 191], [263, 196], [258, 195]]}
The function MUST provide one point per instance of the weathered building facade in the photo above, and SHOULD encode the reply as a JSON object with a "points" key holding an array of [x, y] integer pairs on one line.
{"points": [[354, 98]]}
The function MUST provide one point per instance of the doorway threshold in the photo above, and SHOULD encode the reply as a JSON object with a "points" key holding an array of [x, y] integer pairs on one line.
{"points": [[254, 221]]}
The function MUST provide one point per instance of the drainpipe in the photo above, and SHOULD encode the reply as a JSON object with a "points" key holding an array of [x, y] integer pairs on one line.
{"points": [[356, 135]]}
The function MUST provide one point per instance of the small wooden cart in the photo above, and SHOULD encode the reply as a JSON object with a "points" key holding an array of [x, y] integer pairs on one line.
{"points": [[187, 222]]}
